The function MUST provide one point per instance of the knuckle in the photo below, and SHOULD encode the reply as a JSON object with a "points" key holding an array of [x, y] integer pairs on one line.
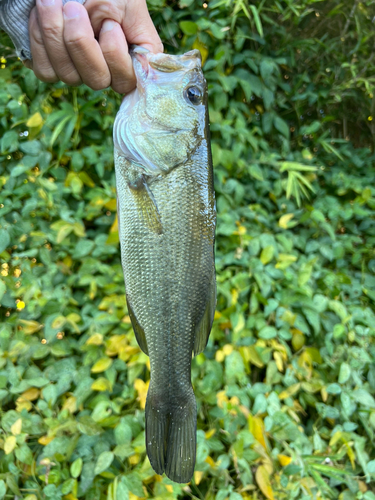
{"points": [[76, 43], [46, 76], [72, 82], [110, 51], [72, 79], [122, 88], [52, 32], [99, 84]]}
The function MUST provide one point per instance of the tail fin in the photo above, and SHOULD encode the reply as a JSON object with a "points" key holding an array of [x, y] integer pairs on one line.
{"points": [[171, 436]]}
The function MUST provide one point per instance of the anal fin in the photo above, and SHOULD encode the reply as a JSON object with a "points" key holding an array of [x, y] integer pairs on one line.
{"points": [[138, 330], [203, 330]]}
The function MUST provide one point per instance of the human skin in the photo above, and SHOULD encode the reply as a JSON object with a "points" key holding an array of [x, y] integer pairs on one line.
{"points": [[89, 43]]}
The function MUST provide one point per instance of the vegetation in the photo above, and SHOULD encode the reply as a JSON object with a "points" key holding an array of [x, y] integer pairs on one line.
{"points": [[286, 385]]}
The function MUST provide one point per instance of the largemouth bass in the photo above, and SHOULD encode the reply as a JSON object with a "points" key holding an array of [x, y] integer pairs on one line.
{"points": [[166, 213]]}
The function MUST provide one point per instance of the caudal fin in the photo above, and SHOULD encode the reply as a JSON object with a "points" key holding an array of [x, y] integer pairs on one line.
{"points": [[171, 436]]}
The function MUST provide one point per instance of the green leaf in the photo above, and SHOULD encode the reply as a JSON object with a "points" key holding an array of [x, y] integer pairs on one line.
{"points": [[364, 398], [258, 22], [281, 126], [267, 254], [256, 172], [344, 373], [104, 461], [76, 467], [2, 289], [3, 488], [9, 142], [188, 27], [268, 332], [24, 454], [4, 240]]}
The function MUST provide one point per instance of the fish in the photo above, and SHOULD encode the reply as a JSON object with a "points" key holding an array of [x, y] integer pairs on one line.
{"points": [[14, 19], [166, 218]]}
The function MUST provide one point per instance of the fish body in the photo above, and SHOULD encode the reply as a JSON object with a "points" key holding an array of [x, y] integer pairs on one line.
{"points": [[166, 211]]}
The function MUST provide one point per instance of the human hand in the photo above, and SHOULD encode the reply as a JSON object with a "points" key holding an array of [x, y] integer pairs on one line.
{"points": [[63, 44]]}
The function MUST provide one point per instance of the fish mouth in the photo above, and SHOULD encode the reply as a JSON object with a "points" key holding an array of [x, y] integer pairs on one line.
{"points": [[147, 64]]}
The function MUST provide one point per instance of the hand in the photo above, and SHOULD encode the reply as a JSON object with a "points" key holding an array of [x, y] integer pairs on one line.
{"points": [[63, 44]]}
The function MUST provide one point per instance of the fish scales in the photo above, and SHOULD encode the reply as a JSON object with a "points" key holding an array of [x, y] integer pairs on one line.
{"points": [[166, 226]]}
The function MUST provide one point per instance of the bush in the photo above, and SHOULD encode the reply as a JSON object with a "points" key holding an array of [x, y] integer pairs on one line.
{"points": [[286, 385]]}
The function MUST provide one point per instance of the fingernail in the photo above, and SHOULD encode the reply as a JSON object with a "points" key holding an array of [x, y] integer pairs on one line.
{"points": [[71, 10], [47, 3], [107, 26]]}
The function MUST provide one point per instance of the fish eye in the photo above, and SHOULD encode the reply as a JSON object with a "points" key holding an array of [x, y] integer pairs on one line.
{"points": [[194, 95]]}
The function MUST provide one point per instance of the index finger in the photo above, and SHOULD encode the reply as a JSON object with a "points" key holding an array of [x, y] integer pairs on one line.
{"points": [[134, 19], [83, 48]]}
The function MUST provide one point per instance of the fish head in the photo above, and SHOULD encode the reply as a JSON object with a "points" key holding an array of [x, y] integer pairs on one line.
{"points": [[162, 122]]}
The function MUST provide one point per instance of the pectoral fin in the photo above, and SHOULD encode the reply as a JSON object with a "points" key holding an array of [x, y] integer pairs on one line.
{"points": [[204, 327], [146, 207], [138, 330]]}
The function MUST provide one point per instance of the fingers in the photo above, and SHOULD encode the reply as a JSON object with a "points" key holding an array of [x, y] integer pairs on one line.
{"points": [[139, 28], [51, 24], [82, 47], [41, 64], [64, 47], [132, 15], [115, 51]]}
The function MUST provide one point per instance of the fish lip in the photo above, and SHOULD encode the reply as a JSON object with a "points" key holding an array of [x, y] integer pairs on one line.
{"points": [[137, 49], [163, 62]]}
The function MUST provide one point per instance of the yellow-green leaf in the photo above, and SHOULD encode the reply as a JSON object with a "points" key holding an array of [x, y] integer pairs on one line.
{"points": [[10, 444], [58, 322], [96, 339], [284, 260], [254, 357], [35, 121], [101, 365], [267, 254], [141, 387], [101, 384], [263, 479], [256, 427], [290, 391], [202, 49], [29, 326], [284, 460], [284, 219], [64, 231], [16, 427]]}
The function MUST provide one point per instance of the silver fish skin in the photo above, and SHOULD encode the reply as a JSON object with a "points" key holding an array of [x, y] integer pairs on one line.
{"points": [[166, 213], [14, 20]]}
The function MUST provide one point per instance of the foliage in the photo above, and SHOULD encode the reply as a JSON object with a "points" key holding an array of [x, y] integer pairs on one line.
{"points": [[286, 385]]}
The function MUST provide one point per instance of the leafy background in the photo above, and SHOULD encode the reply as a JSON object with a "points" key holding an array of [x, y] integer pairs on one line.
{"points": [[286, 385]]}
